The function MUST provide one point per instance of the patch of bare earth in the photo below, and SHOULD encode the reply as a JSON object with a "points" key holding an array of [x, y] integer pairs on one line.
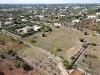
{"points": [[8, 67]]}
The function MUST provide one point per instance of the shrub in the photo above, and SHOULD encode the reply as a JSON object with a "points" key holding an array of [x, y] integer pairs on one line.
{"points": [[86, 33], [59, 49], [43, 35], [26, 67], [68, 64], [17, 63], [3, 56], [93, 44], [82, 40], [46, 29], [33, 41], [2, 73], [2, 42], [22, 64]]}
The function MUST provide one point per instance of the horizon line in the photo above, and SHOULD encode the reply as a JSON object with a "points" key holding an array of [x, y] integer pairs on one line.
{"points": [[49, 3]]}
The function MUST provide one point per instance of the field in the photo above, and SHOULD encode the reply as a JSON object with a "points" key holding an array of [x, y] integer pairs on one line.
{"points": [[60, 38], [63, 42]]}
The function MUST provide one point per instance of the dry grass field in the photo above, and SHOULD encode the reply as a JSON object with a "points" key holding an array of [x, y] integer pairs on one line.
{"points": [[60, 38], [62, 41]]}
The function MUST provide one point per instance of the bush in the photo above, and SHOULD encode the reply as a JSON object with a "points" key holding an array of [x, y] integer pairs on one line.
{"points": [[86, 33], [2, 42], [82, 40], [18, 63], [33, 41], [2, 73], [46, 29], [26, 67], [2, 56], [22, 64], [59, 49], [68, 64], [93, 44]]}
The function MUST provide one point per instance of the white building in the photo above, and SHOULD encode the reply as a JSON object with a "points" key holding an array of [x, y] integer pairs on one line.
{"points": [[22, 16], [98, 13], [24, 30], [24, 20], [8, 22], [40, 16], [10, 18], [61, 15], [0, 24], [98, 20], [76, 21], [92, 17], [36, 27], [57, 24]]}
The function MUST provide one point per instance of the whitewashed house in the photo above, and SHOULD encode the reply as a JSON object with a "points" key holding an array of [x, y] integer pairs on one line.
{"points": [[10, 18], [36, 27], [97, 20], [98, 13], [8, 22], [75, 21], [57, 24], [24, 30], [40, 16], [0, 24], [24, 20], [22, 16], [92, 17]]}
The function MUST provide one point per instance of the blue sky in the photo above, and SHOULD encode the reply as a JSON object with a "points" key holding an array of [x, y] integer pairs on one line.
{"points": [[47, 1]]}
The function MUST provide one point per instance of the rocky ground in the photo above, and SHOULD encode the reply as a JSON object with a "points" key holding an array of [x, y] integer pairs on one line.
{"points": [[8, 67]]}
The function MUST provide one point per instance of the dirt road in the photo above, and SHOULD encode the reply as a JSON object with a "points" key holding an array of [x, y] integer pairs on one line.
{"points": [[62, 69]]}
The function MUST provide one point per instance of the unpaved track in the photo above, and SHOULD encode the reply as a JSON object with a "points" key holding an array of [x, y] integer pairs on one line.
{"points": [[62, 69]]}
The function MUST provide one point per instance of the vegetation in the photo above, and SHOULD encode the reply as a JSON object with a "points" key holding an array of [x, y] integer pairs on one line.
{"points": [[22, 64], [82, 40], [46, 29], [2, 73], [55, 49], [98, 28], [68, 64], [18, 63]]}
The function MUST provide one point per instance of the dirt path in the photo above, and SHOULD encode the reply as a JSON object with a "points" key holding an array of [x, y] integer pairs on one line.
{"points": [[62, 69]]}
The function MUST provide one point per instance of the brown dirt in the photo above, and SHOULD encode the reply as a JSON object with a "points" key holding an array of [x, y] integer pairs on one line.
{"points": [[9, 68]]}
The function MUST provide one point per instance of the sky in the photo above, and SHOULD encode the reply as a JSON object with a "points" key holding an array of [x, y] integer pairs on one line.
{"points": [[46, 1]]}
